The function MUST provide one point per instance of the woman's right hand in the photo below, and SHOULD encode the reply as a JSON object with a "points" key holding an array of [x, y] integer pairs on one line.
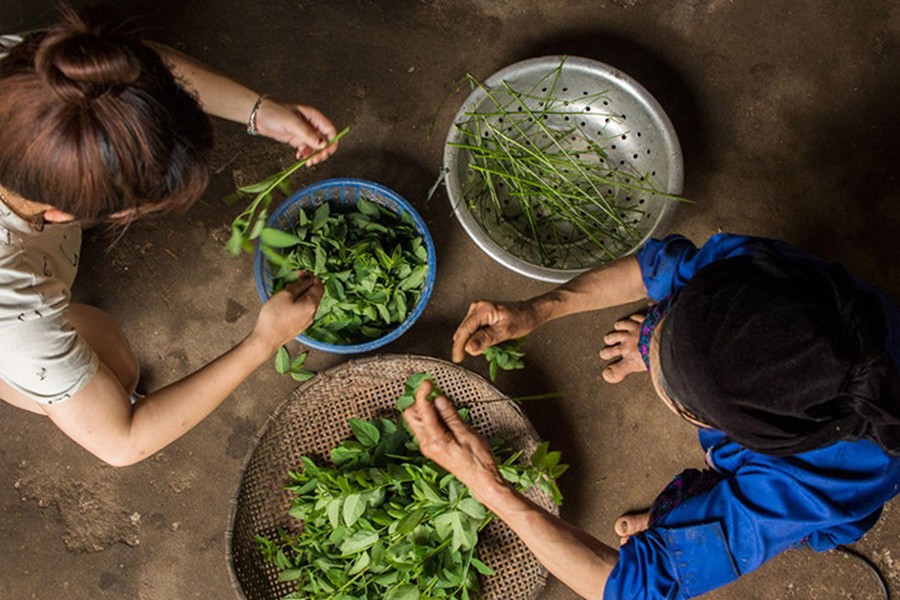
{"points": [[289, 312], [489, 323]]}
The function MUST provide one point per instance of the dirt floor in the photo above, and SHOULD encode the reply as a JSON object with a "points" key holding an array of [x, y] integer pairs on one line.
{"points": [[788, 118]]}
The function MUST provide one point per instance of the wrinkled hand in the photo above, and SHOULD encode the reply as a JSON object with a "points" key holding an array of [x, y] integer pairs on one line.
{"points": [[300, 126], [622, 344], [447, 440], [287, 313], [487, 324]]}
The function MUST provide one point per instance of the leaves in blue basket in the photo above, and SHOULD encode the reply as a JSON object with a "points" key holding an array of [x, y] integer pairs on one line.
{"points": [[321, 216], [367, 208], [372, 263], [277, 238]]}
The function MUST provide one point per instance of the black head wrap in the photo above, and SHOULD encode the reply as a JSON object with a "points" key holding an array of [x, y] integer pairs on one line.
{"points": [[783, 356]]}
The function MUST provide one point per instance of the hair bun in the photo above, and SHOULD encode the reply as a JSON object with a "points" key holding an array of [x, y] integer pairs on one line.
{"points": [[81, 60]]}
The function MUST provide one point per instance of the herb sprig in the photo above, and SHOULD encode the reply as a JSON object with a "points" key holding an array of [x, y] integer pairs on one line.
{"points": [[508, 356], [248, 225]]}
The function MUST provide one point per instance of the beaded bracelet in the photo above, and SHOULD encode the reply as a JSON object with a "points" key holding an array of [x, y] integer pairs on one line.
{"points": [[251, 121]]}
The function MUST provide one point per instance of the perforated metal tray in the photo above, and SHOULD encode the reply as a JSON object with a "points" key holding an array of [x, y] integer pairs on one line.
{"points": [[601, 104]]}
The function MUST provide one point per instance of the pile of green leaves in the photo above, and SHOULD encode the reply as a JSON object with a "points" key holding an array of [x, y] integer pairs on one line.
{"points": [[384, 522], [372, 262], [509, 355]]}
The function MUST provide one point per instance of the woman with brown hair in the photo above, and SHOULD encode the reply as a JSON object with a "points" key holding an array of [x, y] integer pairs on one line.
{"points": [[101, 127]]}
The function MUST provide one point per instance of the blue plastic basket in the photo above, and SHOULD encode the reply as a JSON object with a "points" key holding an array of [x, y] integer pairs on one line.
{"points": [[346, 192]]}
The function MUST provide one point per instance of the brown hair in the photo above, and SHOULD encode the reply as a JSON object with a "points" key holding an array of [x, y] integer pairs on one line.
{"points": [[93, 122]]}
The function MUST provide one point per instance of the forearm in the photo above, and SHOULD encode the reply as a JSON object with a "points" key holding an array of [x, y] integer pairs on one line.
{"points": [[577, 559], [619, 282], [219, 95], [102, 420], [167, 414]]}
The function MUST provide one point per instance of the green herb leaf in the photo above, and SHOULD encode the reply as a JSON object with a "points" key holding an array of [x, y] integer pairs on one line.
{"points": [[367, 208], [283, 360], [354, 508], [482, 568], [277, 238], [367, 433], [406, 591], [359, 541]]}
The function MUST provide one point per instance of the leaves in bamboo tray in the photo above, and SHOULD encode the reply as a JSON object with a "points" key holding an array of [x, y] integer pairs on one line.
{"points": [[372, 262], [384, 522]]}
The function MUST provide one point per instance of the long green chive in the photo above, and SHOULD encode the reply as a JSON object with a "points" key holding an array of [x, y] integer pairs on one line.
{"points": [[555, 188]]}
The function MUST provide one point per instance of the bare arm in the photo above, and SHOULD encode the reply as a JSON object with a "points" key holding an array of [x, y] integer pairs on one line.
{"points": [[574, 557], [101, 418], [299, 125], [489, 323]]}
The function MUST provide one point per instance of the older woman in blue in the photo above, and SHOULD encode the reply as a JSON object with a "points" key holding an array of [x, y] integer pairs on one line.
{"points": [[802, 436]]}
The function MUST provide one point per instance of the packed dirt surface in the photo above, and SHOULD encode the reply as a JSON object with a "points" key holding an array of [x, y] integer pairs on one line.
{"points": [[788, 119]]}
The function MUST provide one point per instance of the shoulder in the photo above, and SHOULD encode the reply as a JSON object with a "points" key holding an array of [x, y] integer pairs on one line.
{"points": [[667, 264]]}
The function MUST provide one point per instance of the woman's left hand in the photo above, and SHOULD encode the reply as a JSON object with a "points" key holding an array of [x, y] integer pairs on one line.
{"points": [[300, 126]]}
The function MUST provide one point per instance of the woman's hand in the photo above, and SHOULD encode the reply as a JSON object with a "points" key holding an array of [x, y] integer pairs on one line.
{"points": [[298, 125], [287, 313], [488, 323], [447, 440]]}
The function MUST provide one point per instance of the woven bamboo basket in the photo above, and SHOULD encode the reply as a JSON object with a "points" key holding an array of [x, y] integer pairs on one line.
{"points": [[314, 419]]}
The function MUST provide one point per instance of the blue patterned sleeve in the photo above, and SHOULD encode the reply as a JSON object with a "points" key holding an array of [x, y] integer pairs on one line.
{"points": [[825, 497], [668, 264]]}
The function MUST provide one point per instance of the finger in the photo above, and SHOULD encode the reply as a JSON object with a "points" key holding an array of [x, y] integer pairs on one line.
{"points": [[473, 321], [318, 120], [621, 526], [307, 285], [448, 413], [481, 340], [424, 419]]}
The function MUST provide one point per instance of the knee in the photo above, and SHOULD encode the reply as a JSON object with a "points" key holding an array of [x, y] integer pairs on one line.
{"points": [[104, 335]]}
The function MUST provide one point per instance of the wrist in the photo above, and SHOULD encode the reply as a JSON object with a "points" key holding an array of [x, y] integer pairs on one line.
{"points": [[495, 493], [252, 127], [259, 346], [543, 308]]}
